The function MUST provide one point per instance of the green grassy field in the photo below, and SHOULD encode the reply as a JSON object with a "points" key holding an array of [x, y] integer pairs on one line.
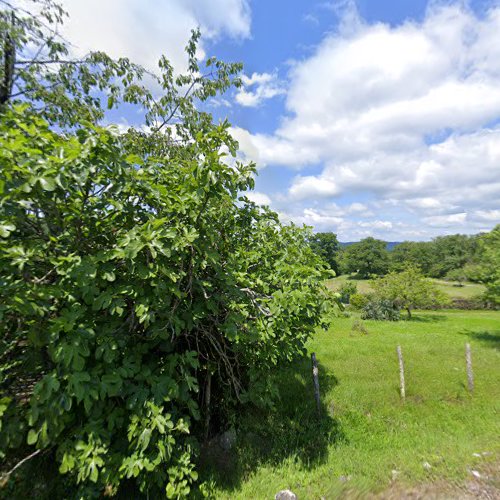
{"points": [[468, 291], [367, 440]]}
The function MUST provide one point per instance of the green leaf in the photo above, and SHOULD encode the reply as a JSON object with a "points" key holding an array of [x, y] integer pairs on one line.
{"points": [[32, 437], [6, 228], [47, 183]]}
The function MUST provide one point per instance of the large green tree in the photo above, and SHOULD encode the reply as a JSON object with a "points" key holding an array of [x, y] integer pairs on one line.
{"points": [[367, 257], [489, 263], [452, 252], [417, 253], [327, 246], [143, 298]]}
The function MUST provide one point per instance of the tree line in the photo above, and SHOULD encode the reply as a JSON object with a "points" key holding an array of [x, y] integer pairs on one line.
{"points": [[456, 257]]}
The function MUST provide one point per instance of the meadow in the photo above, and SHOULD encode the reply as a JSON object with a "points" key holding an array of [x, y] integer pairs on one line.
{"points": [[467, 291], [440, 440]]}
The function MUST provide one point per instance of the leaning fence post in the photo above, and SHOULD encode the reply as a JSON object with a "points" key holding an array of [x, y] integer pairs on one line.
{"points": [[316, 381], [468, 362], [401, 373]]}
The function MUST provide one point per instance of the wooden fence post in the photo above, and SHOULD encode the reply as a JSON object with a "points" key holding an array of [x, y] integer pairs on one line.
{"points": [[468, 362], [401, 373], [316, 381]]}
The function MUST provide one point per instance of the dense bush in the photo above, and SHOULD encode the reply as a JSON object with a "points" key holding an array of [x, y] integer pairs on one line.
{"points": [[127, 283], [142, 298], [358, 301], [382, 310]]}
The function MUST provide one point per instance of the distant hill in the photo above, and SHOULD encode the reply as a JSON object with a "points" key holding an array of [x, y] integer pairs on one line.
{"points": [[389, 244]]}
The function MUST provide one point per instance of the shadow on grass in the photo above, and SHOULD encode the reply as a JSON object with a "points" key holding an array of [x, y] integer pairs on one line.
{"points": [[490, 338], [292, 430], [426, 318]]}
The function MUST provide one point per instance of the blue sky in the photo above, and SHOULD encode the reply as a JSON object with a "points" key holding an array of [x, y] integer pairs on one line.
{"points": [[364, 117]]}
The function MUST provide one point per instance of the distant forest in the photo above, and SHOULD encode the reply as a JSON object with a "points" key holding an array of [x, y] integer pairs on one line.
{"points": [[456, 257]]}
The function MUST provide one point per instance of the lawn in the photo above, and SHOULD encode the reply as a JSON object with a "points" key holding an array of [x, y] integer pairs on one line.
{"points": [[467, 291], [368, 440]]}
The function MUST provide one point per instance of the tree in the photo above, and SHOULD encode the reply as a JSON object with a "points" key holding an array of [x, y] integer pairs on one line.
{"points": [[489, 263], [417, 253], [143, 298], [452, 252], [326, 245], [408, 289], [367, 257], [438, 257]]}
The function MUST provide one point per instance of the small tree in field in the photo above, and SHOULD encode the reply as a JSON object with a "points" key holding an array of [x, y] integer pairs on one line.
{"points": [[409, 289]]}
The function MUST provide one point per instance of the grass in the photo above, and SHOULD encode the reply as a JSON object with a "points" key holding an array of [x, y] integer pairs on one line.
{"points": [[366, 432], [468, 291]]}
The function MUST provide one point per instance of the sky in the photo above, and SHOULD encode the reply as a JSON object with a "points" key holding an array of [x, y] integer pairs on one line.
{"points": [[365, 118]]}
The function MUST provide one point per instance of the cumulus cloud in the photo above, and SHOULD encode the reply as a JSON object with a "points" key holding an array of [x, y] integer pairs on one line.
{"points": [[257, 88], [407, 113], [258, 198], [145, 30]]}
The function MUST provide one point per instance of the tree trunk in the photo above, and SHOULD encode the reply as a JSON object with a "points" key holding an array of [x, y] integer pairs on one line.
{"points": [[408, 310]]}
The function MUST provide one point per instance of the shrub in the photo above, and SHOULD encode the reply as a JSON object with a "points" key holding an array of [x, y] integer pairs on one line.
{"points": [[381, 309], [346, 290], [359, 327], [358, 301], [119, 304], [135, 277]]}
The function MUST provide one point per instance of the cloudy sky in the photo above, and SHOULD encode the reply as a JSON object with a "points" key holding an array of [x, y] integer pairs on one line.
{"points": [[367, 117]]}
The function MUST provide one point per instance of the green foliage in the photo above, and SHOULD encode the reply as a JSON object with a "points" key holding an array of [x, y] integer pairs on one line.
{"points": [[347, 289], [417, 253], [131, 268], [358, 301], [381, 310], [367, 257], [123, 284], [408, 289], [327, 247], [438, 257], [489, 264]]}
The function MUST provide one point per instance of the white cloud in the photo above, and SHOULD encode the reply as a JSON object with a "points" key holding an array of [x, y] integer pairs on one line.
{"points": [[487, 215], [257, 88], [446, 220], [406, 113], [143, 30], [312, 187], [377, 224], [258, 198]]}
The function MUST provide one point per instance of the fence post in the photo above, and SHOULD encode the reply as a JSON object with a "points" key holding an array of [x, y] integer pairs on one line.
{"points": [[401, 373], [316, 381], [468, 362]]}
